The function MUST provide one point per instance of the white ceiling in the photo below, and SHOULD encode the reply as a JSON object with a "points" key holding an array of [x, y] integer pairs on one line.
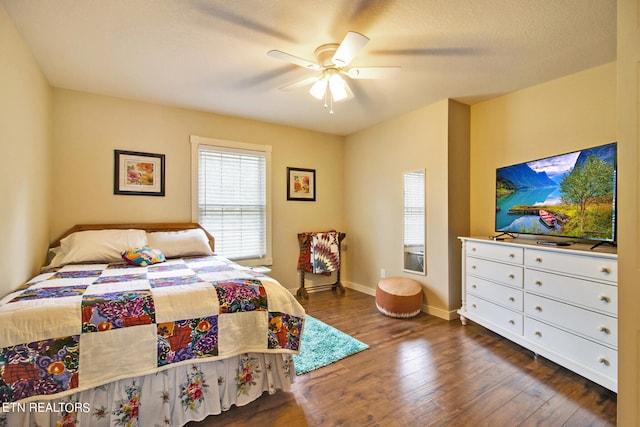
{"points": [[210, 55]]}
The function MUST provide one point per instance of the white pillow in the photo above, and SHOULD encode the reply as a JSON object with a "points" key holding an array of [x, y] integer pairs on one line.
{"points": [[172, 244], [97, 246]]}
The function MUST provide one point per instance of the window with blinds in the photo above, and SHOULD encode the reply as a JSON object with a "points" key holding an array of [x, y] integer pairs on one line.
{"points": [[414, 208], [232, 200]]}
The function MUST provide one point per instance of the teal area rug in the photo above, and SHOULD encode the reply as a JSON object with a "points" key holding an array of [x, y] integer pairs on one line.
{"points": [[322, 345]]}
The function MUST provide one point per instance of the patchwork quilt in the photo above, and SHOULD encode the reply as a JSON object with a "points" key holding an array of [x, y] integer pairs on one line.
{"points": [[81, 326]]}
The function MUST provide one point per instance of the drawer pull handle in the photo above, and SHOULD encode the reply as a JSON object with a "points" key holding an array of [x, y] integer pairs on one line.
{"points": [[512, 322], [473, 267], [538, 308], [473, 286], [538, 283], [512, 276], [538, 259], [538, 333], [604, 361], [512, 299], [473, 249], [605, 330], [473, 305], [605, 270], [605, 298], [512, 255]]}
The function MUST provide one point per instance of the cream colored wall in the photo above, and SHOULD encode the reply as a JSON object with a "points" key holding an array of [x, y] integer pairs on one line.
{"points": [[375, 160], [25, 173], [628, 230], [559, 116], [87, 129], [459, 184]]}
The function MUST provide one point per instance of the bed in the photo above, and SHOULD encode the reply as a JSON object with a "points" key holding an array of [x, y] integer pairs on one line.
{"points": [[142, 324]]}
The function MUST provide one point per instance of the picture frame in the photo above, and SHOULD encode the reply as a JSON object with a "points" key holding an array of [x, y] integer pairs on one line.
{"points": [[138, 174], [301, 184]]}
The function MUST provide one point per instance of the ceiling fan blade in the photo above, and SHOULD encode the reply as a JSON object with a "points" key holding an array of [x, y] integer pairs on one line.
{"points": [[283, 56], [299, 84], [441, 51], [349, 47], [372, 72], [222, 13]]}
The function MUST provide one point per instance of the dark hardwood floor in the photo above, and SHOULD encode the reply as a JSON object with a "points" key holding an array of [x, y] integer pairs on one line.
{"points": [[425, 371]]}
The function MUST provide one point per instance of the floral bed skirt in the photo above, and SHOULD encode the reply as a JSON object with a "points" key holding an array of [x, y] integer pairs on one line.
{"points": [[169, 398]]}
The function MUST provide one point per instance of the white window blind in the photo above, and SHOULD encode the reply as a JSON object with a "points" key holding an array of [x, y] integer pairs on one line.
{"points": [[232, 200], [414, 209]]}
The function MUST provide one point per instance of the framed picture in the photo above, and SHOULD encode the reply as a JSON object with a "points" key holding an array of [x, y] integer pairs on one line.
{"points": [[139, 174], [301, 184]]}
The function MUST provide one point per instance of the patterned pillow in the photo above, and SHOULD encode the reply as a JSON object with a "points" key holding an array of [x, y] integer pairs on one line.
{"points": [[143, 256]]}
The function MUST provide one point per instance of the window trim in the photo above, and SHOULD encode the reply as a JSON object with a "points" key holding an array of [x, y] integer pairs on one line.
{"points": [[200, 141]]}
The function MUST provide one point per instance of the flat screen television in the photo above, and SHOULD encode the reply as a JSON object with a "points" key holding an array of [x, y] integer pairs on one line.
{"points": [[568, 195]]}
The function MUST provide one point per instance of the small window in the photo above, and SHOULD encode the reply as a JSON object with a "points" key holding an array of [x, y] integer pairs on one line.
{"points": [[414, 211], [231, 191]]}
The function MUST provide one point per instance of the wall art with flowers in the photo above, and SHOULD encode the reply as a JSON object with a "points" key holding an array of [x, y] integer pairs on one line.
{"points": [[301, 184], [137, 173]]}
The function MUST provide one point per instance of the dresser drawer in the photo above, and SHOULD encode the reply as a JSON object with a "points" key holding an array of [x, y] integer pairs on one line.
{"points": [[592, 325], [587, 353], [495, 314], [506, 296], [504, 273], [498, 252], [586, 293], [605, 269]]}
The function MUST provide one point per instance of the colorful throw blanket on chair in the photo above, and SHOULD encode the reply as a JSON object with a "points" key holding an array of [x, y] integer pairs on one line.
{"points": [[325, 255]]}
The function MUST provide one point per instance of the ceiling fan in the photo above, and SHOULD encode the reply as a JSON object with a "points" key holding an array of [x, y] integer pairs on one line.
{"points": [[332, 61]]}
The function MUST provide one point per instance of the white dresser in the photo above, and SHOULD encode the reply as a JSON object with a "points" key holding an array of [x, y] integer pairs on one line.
{"points": [[559, 302]]}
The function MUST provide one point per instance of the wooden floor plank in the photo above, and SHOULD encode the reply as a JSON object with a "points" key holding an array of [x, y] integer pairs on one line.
{"points": [[425, 371]]}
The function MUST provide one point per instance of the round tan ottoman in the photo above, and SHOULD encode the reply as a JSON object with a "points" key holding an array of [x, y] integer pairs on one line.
{"points": [[399, 297]]}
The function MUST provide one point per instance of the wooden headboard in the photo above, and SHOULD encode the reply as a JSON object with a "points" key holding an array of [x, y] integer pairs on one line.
{"points": [[149, 227]]}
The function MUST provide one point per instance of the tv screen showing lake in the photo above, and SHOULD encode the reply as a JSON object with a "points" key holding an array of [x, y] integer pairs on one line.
{"points": [[520, 222], [569, 195]]}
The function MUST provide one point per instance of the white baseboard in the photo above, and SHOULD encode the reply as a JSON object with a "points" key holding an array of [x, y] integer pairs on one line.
{"points": [[434, 311], [356, 287]]}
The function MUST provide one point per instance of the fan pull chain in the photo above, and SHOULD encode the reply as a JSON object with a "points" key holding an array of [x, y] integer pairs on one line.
{"points": [[328, 96]]}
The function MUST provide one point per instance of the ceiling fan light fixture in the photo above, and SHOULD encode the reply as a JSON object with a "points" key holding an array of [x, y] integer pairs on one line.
{"points": [[337, 86], [319, 88]]}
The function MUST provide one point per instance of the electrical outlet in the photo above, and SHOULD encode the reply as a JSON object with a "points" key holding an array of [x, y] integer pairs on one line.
{"points": [[383, 273]]}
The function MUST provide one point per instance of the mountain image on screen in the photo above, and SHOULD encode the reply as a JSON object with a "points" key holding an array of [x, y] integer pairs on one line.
{"points": [[569, 195]]}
